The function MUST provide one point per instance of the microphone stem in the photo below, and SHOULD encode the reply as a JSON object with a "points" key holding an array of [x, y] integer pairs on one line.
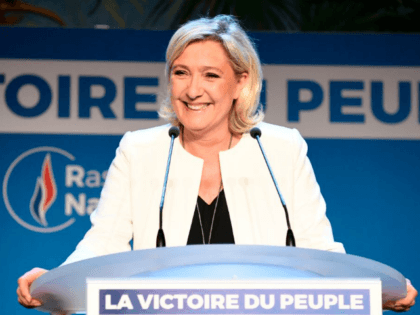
{"points": [[160, 242], [162, 199], [275, 182]]}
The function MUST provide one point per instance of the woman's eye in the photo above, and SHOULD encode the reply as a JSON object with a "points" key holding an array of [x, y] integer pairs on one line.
{"points": [[212, 75], [179, 72]]}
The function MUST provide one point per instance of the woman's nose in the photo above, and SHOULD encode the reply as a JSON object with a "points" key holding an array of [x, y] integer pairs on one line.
{"points": [[194, 89]]}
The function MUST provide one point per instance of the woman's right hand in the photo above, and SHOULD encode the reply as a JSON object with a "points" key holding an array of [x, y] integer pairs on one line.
{"points": [[24, 283]]}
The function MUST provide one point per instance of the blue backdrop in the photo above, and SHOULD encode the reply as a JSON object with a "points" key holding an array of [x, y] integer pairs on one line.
{"points": [[370, 183]]}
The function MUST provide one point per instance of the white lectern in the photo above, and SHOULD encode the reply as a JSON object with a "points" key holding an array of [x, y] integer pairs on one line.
{"points": [[221, 279]]}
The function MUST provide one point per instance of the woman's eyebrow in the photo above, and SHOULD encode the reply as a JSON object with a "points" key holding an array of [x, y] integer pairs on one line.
{"points": [[179, 66], [202, 69], [207, 68]]}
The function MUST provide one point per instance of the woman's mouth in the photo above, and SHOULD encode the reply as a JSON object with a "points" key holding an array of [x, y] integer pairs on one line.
{"points": [[196, 107]]}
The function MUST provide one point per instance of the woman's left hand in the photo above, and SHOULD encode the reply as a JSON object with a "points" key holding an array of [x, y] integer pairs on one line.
{"points": [[404, 304]]}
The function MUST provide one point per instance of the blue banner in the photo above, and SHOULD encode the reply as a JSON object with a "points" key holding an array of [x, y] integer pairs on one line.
{"points": [[68, 95]]}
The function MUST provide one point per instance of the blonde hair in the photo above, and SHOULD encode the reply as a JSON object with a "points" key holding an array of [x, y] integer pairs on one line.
{"points": [[246, 111]]}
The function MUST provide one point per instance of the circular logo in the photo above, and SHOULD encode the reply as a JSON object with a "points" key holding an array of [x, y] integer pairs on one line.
{"points": [[30, 183]]}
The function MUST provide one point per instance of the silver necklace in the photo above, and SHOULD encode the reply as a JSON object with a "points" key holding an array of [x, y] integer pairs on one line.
{"points": [[212, 220], [217, 201]]}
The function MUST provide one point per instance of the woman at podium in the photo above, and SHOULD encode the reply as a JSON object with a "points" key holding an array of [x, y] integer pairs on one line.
{"points": [[219, 188]]}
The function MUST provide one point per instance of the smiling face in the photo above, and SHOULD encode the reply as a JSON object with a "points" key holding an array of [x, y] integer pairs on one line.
{"points": [[204, 87]]}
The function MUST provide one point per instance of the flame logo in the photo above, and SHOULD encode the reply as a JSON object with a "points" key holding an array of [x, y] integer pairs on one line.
{"points": [[45, 192]]}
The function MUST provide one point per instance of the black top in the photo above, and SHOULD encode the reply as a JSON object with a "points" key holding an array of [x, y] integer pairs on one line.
{"points": [[222, 227]]}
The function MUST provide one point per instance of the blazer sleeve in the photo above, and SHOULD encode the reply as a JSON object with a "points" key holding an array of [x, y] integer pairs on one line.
{"points": [[112, 228], [311, 226]]}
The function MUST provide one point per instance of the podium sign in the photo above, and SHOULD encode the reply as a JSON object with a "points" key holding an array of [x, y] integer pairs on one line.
{"points": [[280, 296]]}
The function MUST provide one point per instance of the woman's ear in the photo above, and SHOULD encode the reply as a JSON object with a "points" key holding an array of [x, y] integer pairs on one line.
{"points": [[241, 83]]}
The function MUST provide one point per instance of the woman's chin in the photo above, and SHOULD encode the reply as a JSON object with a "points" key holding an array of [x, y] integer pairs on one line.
{"points": [[196, 121]]}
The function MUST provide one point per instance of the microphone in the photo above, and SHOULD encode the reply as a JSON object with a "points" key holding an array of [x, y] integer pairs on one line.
{"points": [[160, 239], [174, 132], [290, 238]]}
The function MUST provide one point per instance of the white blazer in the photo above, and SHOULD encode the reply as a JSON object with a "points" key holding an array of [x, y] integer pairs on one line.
{"points": [[129, 204]]}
